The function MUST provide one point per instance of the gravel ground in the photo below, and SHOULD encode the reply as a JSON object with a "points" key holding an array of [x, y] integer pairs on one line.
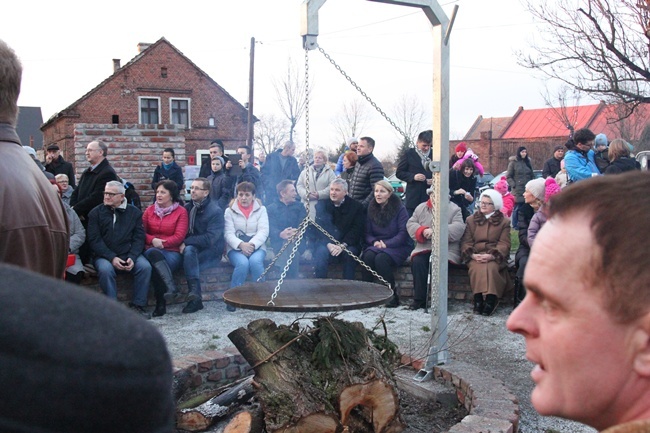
{"points": [[478, 340]]}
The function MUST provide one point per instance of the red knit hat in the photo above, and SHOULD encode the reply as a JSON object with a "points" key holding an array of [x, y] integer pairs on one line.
{"points": [[551, 187], [501, 186], [461, 147]]}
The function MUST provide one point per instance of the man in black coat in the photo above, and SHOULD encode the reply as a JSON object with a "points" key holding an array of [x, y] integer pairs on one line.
{"points": [[90, 192], [285, 215], [343, 217], [203, 246], [280, 165], [552, 165], [116, 237], [366, 173], [413, 168], [55, 164]]}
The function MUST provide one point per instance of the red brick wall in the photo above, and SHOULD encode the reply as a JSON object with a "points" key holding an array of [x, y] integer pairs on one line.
{"points": [[134, 151], [119, 96]]}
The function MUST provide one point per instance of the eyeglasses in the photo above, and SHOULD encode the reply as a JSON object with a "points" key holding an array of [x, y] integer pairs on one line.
{"points": [[92, 150], [196, 188], [112, 194], [485, 203]]}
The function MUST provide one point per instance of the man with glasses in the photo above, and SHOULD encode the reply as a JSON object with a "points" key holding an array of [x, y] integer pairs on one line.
{"points": [[203, 246], [580, 162], [116, 237], [413, 168]]}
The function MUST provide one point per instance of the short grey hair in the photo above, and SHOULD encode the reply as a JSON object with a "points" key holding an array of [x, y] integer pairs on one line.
{"points": [[117, 185], [61, 176], [342, 182]]}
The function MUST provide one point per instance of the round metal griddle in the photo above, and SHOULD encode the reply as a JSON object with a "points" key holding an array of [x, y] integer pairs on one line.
{"points": [[308, 295]]}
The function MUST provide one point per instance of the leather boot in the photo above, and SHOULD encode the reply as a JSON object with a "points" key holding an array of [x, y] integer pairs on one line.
{"points": [[193, 306], [160, 270], [161, 304], [520, 292], [479, 305], [194, 287], [491, 302]]}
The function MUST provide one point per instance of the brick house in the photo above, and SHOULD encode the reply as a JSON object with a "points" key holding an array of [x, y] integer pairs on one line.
{"points": [[158, 86], [495, 139]]}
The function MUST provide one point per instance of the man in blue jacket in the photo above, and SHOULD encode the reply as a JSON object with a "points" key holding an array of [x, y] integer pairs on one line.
{"points": [[116, 237], [579, 160]]}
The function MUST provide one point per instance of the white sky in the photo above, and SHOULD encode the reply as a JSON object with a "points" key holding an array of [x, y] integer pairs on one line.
{"points": [[67, 48]]}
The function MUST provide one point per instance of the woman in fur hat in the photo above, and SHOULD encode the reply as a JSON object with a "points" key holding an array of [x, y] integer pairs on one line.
{"points": [[485, 248], [388, 242]]}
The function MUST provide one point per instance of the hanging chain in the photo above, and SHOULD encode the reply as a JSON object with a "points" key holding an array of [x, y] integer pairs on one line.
{"points": [[436, 221], [365, 95]]}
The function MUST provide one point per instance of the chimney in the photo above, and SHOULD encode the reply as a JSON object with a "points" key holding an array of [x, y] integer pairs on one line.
{"points": [[116, 65], [143, 46]]}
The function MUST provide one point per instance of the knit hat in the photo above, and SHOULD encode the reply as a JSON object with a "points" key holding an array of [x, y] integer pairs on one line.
{"points": [[75, 361], [461, 147], [495, 197], [30, 151], [351, 140], [558, 147], [223, 162], [501, 186], [601, 140], [536, 187], [551, 188]]}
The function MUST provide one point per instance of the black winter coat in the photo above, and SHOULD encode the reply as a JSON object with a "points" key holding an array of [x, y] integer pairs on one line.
{"points": [[622, 164], [207, 232], [60, 166], [90, 191], [409, 165], [367, 172], [124, 238], [551, 167], [273, 173], [458, 180], [282, 216], [221, 188], [346, 222], [174, 173]]}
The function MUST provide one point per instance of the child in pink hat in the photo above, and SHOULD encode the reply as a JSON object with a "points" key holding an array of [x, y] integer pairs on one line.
{"points": [[508, 199]]}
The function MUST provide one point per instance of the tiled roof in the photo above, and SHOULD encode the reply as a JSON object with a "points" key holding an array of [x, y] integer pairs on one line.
{"points": [[495, 124], [548, 122]]}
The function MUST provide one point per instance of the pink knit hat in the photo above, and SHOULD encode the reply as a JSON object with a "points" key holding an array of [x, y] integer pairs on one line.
{"points": [[501, 186], [551, 188]]}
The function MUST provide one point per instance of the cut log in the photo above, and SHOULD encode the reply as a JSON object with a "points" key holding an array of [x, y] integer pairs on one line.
{"points": [[303, 373], [206, 414], [248, 421], [380, 398]]}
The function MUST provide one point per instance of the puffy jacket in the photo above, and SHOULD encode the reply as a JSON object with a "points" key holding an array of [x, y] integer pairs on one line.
{"points": [[367, 171], [256, 226], [317, 183], [171, 228], [519, 173], [207, 233]]}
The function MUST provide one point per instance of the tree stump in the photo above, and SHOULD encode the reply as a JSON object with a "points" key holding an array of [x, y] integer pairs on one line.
{"points": [[324, 378]]}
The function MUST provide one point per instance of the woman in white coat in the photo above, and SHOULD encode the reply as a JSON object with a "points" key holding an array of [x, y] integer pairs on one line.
{"points": [[319, 175], [246, 230]]}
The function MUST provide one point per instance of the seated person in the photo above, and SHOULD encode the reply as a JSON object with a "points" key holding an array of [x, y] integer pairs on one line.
{"points": [[63, 182], [203, 245], [419, 228], [246, 231], [165, 226], [116, 239], [342, 217], [387, 241], [485, 248], [285, 216]]}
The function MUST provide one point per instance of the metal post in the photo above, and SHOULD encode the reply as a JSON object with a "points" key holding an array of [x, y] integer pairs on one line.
{"points": [[251, 76]]}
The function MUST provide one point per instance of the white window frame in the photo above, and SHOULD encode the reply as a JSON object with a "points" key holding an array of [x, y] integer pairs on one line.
{"points": [[140, 98], [189, 111]]}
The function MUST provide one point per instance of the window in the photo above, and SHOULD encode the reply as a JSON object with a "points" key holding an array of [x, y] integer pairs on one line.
{"points": [[149, 110], [179, 110]]}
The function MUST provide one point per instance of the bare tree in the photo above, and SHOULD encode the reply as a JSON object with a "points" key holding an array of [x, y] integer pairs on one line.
{"points": [[349, 122], [409, 115], [291, 96], [597, 47], [270, 132], [389, 163], [564, 107]]}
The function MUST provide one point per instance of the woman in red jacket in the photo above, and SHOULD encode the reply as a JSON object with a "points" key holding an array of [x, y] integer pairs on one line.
{"points": [[165, 225]]}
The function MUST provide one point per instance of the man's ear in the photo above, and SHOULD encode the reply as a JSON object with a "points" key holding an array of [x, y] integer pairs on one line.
{"points": [[641, 346]]}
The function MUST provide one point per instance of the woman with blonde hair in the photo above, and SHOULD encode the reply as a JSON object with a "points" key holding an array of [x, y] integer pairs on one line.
{"points": [[317, 177], [620, 160]]}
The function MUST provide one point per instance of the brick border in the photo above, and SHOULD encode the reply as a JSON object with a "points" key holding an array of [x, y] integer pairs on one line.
{"points": [[491, 406]]}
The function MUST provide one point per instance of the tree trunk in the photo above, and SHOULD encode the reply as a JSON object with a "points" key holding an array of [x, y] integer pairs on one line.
{"points": [[315, 380]]}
